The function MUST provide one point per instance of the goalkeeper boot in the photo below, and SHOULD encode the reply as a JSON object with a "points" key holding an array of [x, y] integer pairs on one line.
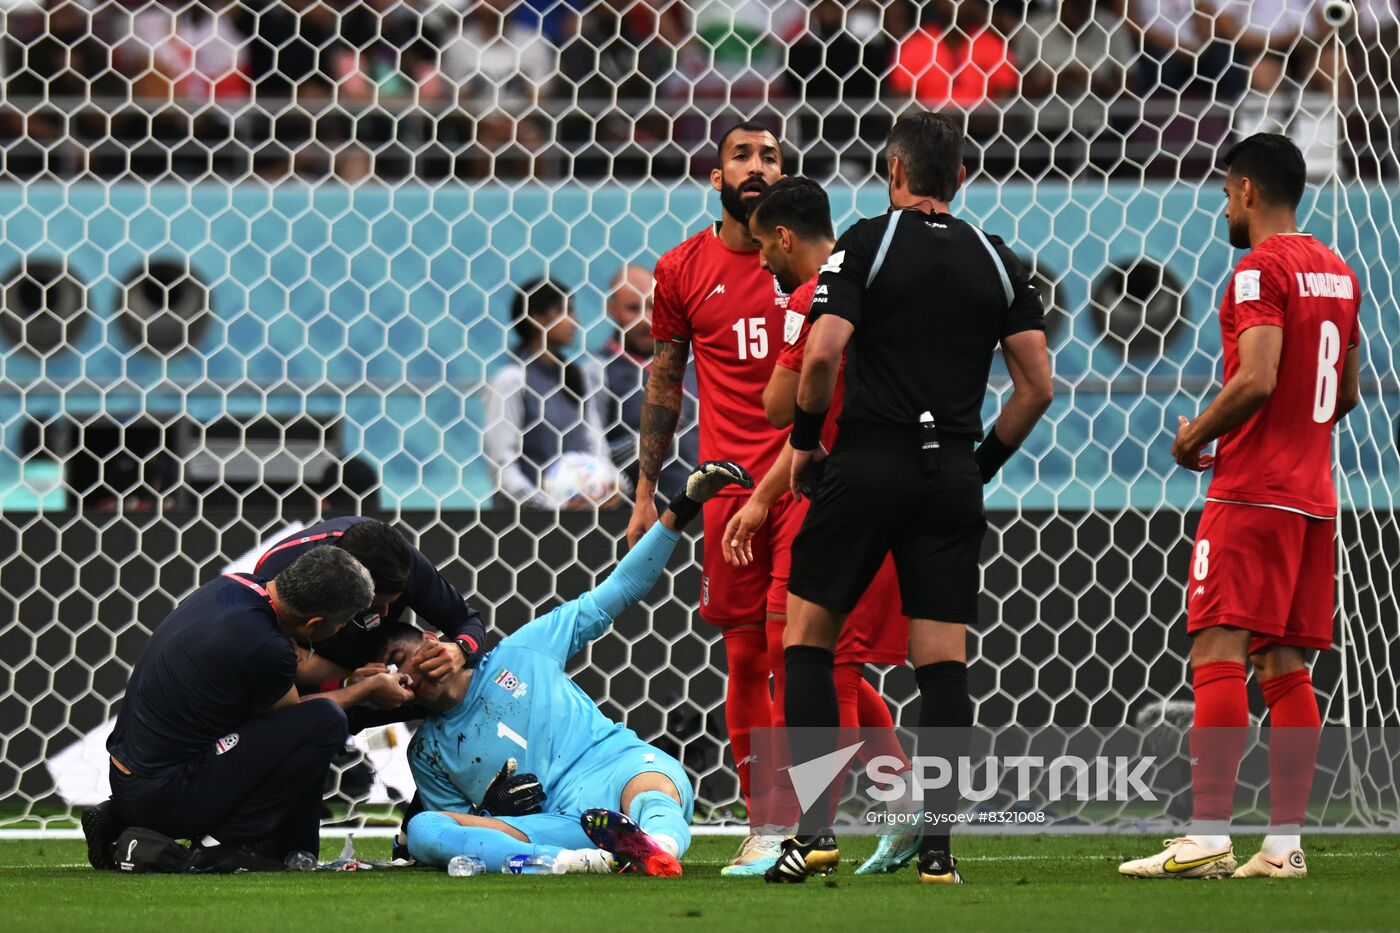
{"points": [[100, 832], [633, 848], [804, 856], [892, 853], [938, 868], [1183, 858], [1267, 865], [756, 855]]}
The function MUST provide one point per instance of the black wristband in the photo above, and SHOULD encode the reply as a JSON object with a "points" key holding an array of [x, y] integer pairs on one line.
{"points": [[685, 508], [991, 455], [806, 428]]}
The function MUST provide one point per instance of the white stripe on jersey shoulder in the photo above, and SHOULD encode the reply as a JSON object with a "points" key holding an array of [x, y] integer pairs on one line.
{"points": [[1270, 505], [884, 247], [1001, 266]]}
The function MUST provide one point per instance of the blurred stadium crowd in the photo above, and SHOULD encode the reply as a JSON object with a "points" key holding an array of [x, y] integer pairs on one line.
{"points": [[627, 89]]}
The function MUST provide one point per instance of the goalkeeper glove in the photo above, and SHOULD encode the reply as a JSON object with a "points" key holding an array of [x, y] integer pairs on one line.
{"points": [[704, 482], [512, 794]]}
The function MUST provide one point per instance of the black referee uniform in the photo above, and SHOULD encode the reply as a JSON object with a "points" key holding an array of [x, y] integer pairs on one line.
{"points": [[930, 297]]}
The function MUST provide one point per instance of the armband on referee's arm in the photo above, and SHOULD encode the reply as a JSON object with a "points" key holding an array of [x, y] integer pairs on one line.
{"points": [[806, 428], [992, 454]]}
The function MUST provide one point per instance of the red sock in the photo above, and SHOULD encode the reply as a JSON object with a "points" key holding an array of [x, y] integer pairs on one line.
{"points": [[862, 707], [848, 681], [1294, 730], [747, 705], [1217, 739], [779, 667]]}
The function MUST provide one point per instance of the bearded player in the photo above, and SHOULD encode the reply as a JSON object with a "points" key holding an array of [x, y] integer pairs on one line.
{"points": [[1262, 571], [791, 222], [713, 297], [519, 707]]}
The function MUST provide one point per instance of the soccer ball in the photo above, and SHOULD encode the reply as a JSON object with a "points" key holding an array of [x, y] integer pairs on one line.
{"points": [[579, 474]]}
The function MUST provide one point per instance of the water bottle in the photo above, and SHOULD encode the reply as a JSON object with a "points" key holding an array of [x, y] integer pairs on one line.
{"points": [[529, 865], [301, 861], [466, 866]]}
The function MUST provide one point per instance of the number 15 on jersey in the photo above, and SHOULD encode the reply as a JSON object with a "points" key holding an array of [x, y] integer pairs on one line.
{"points": [[752, 334]]}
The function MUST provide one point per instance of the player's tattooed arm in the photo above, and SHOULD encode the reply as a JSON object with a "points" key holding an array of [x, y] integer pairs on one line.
{"points": [[662, 411], [660, 414]]}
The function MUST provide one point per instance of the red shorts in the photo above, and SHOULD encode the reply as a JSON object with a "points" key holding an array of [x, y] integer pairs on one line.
{"points": [[1268, 571], [877, 630], [741, 595]]}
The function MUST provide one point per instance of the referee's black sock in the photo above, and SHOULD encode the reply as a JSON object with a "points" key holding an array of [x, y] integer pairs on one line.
{"points": [[945, 703], [809, 703]]}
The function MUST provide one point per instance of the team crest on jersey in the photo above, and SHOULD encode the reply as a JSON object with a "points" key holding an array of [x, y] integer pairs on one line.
{"points": [[792, 326], [511, 684], [226, 744], [1247, 285]]}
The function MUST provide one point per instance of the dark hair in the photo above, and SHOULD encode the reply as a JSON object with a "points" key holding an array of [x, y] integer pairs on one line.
{"points": [[390, 632], [1273, 163], [930, 147], [531, 300], [748, 126], [797, 203], [325, 581], [383, 552]]}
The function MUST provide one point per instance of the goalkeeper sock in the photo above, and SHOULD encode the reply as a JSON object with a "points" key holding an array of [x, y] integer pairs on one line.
{"points": [[662, 818], [810, 703], [1294, 731], [944, 703], [747, 705], [435, 838], [1217, 742]]}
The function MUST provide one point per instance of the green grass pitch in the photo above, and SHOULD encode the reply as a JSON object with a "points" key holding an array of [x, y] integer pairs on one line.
{"points": [[1014, 883]]}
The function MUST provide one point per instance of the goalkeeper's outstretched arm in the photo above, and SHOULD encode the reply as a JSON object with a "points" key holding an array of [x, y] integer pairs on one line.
{"points": [[574, 624]]}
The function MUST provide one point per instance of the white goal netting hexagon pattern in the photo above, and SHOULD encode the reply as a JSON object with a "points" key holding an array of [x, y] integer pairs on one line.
{"points": [[258, 259]]}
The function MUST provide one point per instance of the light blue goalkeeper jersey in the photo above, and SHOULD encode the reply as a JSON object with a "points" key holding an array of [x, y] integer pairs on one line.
{"points": [[521, 704]]}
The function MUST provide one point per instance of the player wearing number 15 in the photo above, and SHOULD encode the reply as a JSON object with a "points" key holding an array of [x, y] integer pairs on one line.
{"points": [[1261, 580], [714, 298]]}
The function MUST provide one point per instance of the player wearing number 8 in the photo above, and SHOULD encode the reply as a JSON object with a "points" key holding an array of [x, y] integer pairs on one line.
{"points": [[1261, 577]]}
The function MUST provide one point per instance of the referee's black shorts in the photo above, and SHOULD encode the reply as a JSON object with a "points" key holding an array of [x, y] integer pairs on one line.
{"points": [[880, 496]]}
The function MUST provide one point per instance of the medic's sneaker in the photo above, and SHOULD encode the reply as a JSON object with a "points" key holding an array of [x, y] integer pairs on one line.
{"points": [[584, 862], [1182, 858]]}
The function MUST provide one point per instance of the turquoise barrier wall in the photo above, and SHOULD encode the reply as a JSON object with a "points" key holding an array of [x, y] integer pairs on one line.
{"points": [[389, 305]]}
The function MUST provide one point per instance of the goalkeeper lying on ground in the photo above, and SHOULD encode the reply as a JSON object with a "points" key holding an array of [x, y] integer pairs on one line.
{"points": [[519, 704]]}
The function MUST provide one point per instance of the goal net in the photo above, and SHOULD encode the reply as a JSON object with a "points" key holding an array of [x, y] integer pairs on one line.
{"points": [[259, 259]]}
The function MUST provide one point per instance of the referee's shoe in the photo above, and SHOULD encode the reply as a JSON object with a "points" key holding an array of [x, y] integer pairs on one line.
{"points": [[938, 868], [802, 856]]}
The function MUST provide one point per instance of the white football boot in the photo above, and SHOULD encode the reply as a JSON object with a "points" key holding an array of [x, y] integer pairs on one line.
{"points": [[1182, 858]]}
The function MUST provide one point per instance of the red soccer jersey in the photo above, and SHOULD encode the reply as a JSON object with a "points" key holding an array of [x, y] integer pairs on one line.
{"points": [[1282, 456], [731, 312], [795, 346]]}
